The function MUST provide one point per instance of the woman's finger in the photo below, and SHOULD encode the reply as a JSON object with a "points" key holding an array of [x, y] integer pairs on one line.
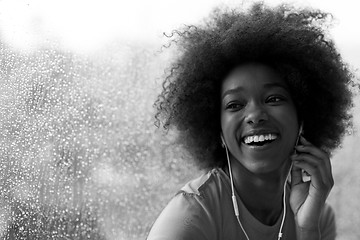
{"points": [[296, 176], [318, 167], [311, 149]]}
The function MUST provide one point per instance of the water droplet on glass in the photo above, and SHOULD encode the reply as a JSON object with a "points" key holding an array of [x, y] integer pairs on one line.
{"points": [[80, 157]]}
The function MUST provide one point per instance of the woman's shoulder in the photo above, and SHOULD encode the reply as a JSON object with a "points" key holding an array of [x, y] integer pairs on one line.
{"points": [[210, 181], [328, 212], [194, 212], [327, 223]]}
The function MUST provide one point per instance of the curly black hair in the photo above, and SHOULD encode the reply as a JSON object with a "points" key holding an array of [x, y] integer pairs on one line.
{"points": [[292, 41]]}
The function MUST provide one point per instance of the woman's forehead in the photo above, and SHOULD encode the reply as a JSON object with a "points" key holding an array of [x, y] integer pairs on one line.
{"points": [[252, 75]]}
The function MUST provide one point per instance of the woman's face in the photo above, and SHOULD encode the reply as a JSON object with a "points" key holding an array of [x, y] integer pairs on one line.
{"points": [[258, 118]]}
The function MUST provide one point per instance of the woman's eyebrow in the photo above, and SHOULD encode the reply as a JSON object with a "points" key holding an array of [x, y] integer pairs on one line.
{"points": [[232, 91], [266, 85], [277, 84]]}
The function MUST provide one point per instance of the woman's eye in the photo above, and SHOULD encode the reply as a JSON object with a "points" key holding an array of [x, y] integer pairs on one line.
{"points": [[275, 99], [234, 106]]}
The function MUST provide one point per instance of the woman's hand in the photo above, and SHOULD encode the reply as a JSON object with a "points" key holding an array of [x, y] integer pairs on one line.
{"points": [[308, 198]]}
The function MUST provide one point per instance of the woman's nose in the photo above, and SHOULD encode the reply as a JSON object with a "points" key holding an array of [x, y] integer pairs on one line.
{"points": [[255, 114]]}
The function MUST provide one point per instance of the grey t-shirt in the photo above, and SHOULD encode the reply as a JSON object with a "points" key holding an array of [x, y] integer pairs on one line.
{"points": [[203, 210]]}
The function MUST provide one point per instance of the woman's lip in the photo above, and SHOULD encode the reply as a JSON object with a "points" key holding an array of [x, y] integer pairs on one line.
{"points": [[242, 133], [262, 147], [274, 136], [257, 133]]}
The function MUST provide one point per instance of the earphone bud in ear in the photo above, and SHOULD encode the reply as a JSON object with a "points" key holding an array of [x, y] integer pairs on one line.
{"points": [[301, 132], [301, 128], [223, 144]]}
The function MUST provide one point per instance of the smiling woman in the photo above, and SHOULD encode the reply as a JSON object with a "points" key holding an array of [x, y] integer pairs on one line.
{"points": [[256, 103], [79, 155], [258, 96]]}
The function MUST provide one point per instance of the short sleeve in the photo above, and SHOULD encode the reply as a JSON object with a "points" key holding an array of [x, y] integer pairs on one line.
{"points": [[327, 224], [185, 218]]}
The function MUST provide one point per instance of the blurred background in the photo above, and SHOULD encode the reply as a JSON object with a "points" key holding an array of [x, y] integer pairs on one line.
{"points": [[80, 157]]}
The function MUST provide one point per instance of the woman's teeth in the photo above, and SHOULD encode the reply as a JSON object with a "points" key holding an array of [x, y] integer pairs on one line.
{"points": [[260, 138]]}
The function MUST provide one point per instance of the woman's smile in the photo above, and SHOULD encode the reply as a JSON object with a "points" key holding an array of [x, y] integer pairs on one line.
{"points": [[261, 141], [258, 117]]}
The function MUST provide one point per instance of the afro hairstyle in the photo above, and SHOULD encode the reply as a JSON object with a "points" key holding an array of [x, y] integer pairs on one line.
{"points": [[291, 41]]}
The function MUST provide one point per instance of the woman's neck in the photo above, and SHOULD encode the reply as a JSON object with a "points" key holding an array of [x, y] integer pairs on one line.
{"points": [[262, 194]]}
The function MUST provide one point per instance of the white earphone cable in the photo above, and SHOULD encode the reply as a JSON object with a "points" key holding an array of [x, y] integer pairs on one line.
{"points": [[236, 208], [233, 197], [284, 204]]}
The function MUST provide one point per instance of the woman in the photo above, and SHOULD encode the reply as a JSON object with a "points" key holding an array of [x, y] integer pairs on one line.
{"points": [[259, 97]]}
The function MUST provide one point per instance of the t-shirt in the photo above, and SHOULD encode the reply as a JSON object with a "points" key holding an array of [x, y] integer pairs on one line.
{"points": [[203, 210]]}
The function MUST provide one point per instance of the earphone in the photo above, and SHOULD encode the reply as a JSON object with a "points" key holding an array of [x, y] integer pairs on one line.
{"points": [[305, 175], [223, 144], [301, 132], [233, 197]]}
